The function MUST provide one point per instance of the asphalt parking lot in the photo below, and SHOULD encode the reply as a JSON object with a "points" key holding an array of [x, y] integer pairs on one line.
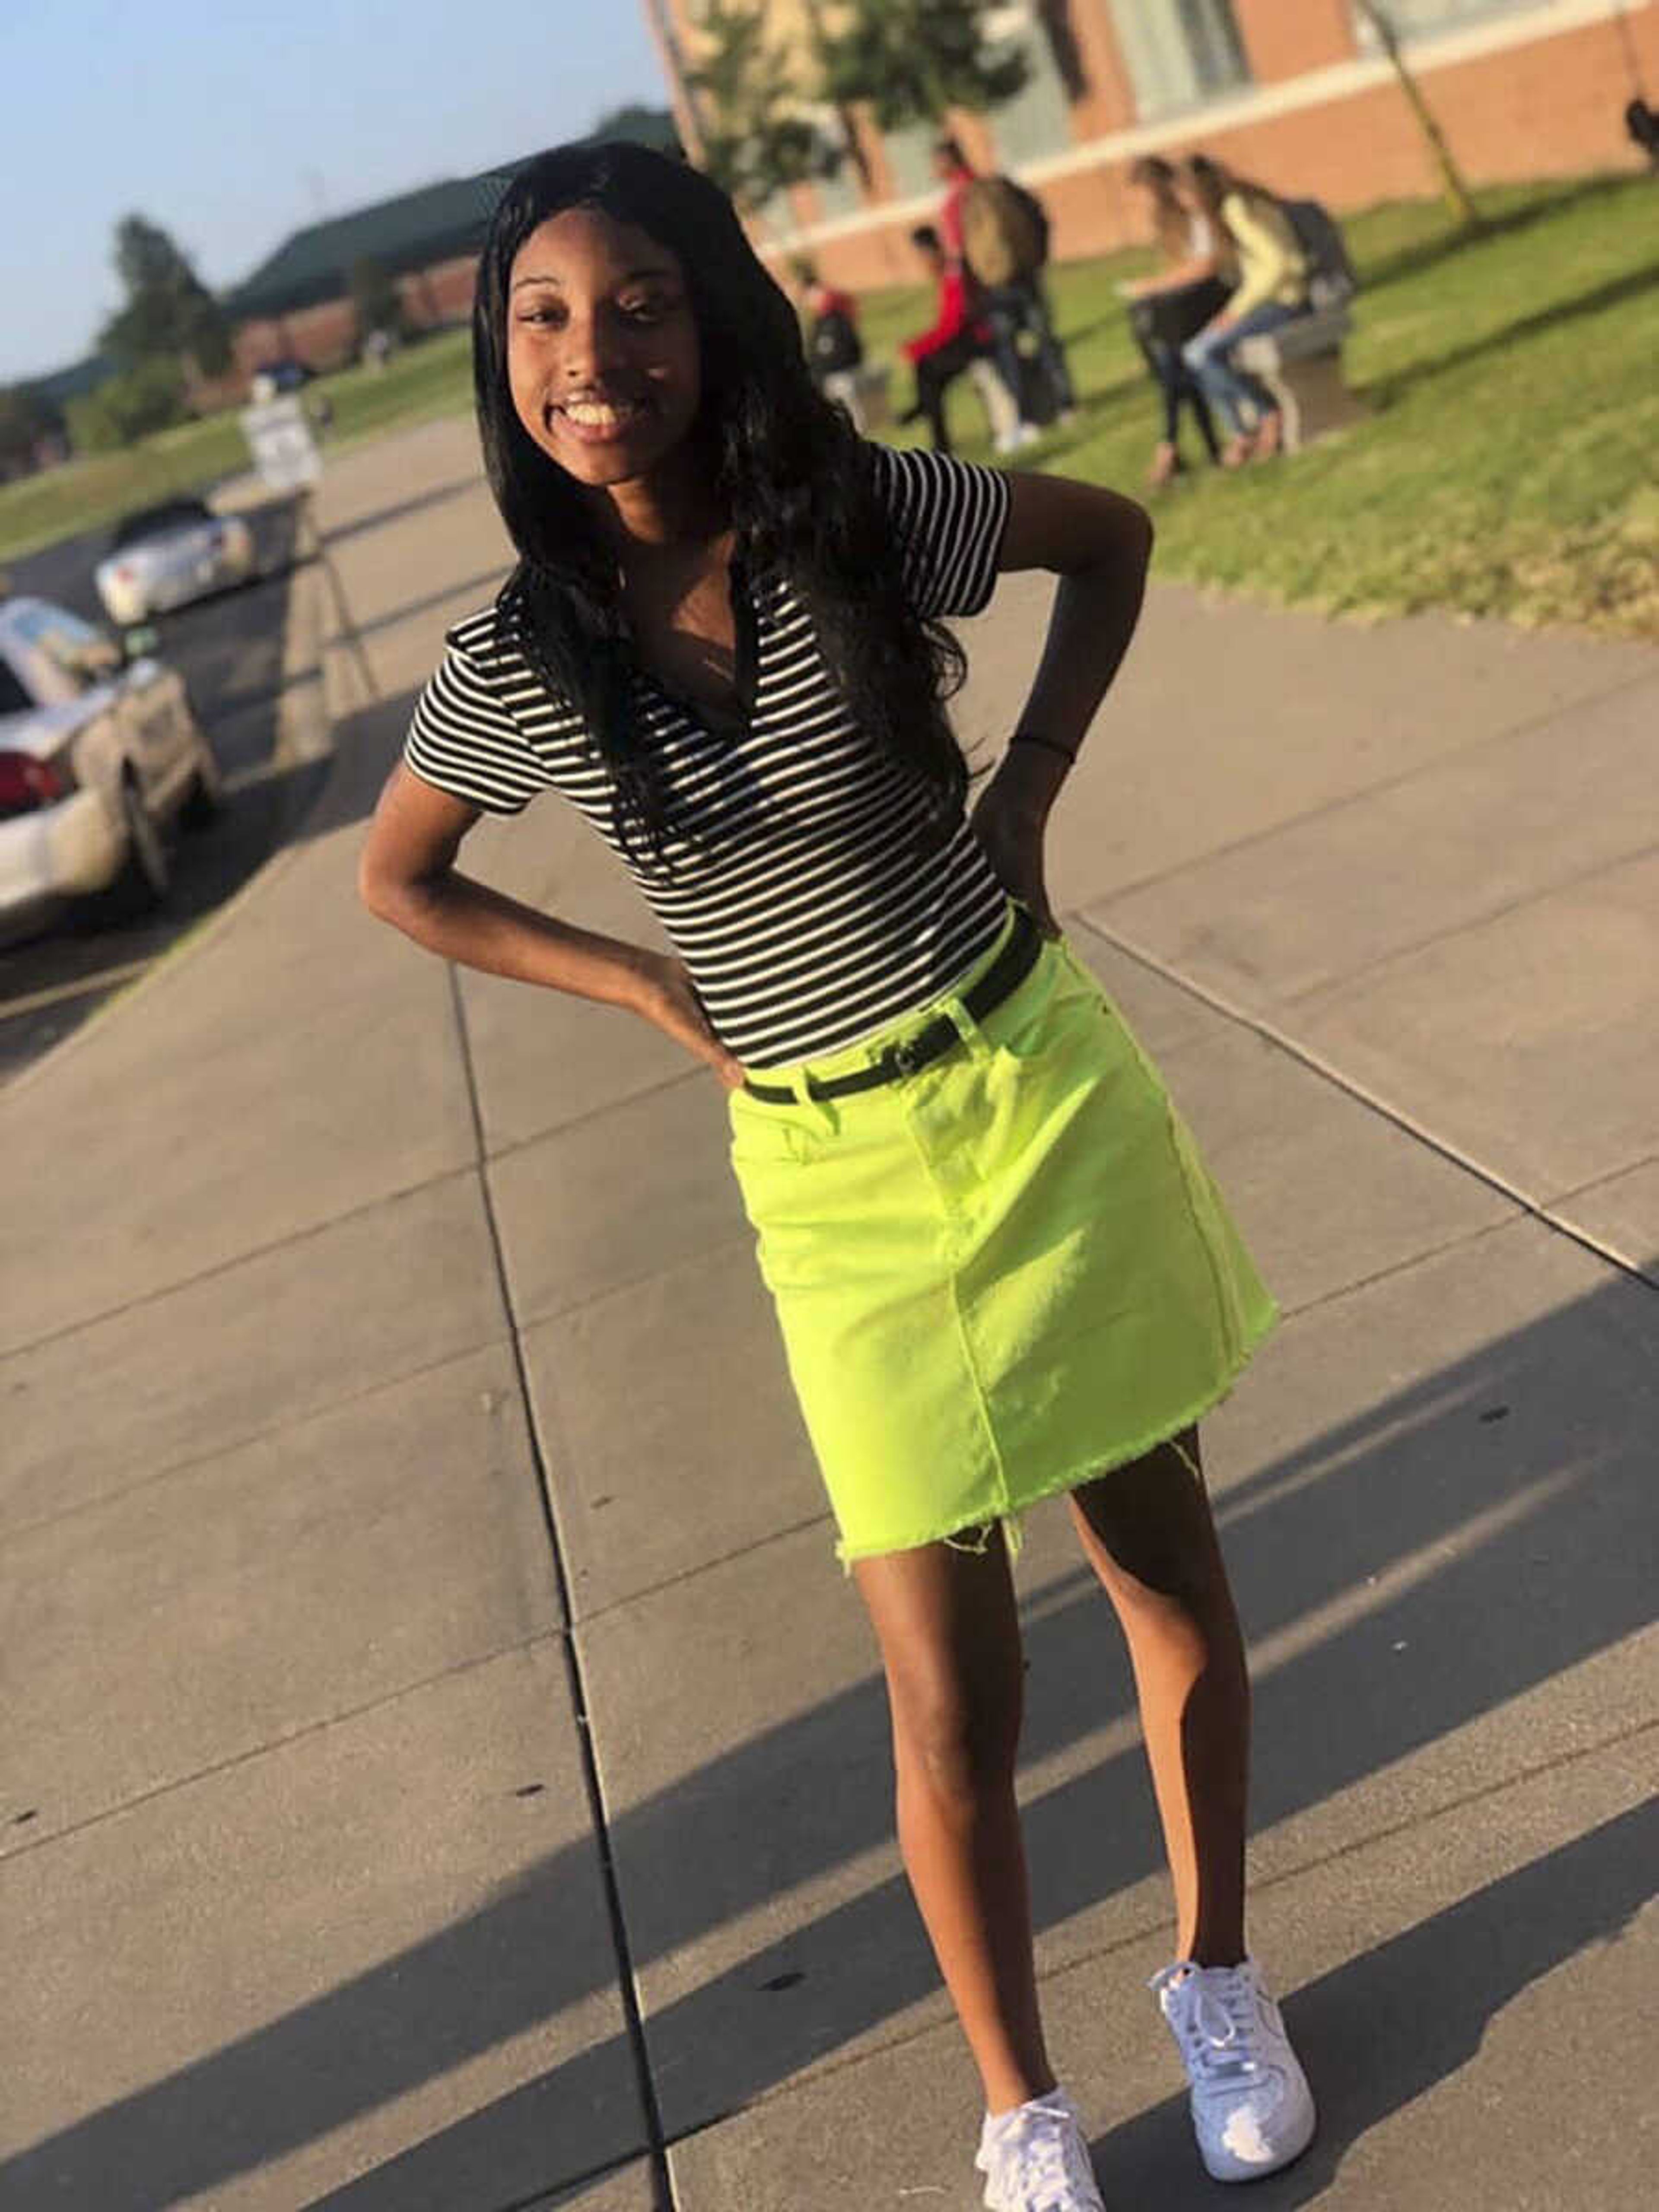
{"points": [[229, 649]]}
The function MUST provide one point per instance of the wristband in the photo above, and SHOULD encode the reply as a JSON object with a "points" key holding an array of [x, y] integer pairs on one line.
{"points": [[1048, 745]]}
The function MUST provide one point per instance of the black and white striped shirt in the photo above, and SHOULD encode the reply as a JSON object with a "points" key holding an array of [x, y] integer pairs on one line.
{"points": [[804, 893]]}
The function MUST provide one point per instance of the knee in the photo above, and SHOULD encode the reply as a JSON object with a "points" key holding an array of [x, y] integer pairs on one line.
{"points": [[958, 1741]]}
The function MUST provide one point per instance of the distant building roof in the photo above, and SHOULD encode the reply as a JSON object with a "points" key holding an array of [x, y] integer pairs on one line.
{"points": [[436, 224]]}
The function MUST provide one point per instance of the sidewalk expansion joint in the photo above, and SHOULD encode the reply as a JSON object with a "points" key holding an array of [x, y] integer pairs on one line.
{"points": [[1335, 805], [607, 1106], [272, 1745], [236, 1260], [627, 1986], [1541, 1210], [703, 1566], [1534, 896], [242, 1440]]}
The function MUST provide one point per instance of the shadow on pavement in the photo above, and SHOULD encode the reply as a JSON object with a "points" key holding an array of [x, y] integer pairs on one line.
{"points": [[396, 513], [1380, 2031], [1527, 1537]]}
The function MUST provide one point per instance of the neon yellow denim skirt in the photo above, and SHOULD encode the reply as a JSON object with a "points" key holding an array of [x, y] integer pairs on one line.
{"points": [[998, 1276]]}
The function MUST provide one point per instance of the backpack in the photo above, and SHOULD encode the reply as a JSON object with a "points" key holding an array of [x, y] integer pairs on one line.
{"points": [[1004, 232], [834, 344], [1331, 279]]}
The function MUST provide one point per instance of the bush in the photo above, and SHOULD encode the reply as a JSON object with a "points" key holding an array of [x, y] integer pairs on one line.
{"points": [[147, 397]]}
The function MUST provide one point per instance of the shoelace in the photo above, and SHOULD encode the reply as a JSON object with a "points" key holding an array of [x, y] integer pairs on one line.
{"points": [[1032, 2159], [1217, 2024]]}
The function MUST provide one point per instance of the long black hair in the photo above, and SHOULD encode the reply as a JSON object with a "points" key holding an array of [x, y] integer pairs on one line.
{"points": [[796, 481]]}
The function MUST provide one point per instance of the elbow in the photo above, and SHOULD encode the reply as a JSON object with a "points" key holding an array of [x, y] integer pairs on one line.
{"points": [[383, 895], [1139, 536]]}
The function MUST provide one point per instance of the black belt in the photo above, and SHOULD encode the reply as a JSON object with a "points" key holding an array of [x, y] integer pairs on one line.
{"points": [[1004, 976]]}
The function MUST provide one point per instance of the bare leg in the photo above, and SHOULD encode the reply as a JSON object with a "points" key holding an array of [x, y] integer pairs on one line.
{"points": [[949, 1633], [1148, 1532]]}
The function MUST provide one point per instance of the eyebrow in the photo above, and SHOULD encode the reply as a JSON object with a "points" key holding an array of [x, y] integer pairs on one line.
{"points": [[633, 277]]}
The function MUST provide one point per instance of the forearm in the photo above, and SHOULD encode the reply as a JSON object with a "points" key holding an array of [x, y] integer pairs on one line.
{"points": [[1094, 615], [468, 922]]}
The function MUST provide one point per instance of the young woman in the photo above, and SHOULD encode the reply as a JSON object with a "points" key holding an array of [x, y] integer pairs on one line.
{"points": [[1273, 289], [1167, 308], [1001, 1268]]}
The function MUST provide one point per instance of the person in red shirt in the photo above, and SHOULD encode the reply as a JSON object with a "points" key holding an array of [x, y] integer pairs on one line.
{"points": [[958, 338]]}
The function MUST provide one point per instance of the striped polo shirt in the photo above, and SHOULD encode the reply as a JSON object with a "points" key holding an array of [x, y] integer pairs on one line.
{"points": [[804, 887]]}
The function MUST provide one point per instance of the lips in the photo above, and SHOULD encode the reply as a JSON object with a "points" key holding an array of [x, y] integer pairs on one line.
{"points": [[597, 421]]}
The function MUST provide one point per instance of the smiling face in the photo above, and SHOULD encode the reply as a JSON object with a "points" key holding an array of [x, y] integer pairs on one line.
{"points": [[602, 352]]}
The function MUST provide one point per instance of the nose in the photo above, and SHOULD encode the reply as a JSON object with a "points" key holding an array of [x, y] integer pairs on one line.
{"points": [[590, 349]]}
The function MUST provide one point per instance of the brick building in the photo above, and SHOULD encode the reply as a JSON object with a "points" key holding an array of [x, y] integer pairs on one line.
{"points": [[1294, 92]]}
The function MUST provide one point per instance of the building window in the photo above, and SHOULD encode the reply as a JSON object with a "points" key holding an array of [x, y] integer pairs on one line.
{"points": [[1033, 121], [1178, 53], [1415, 19]]}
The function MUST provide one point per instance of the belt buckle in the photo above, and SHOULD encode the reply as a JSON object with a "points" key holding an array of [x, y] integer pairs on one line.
{"points": [[906, 1059]]}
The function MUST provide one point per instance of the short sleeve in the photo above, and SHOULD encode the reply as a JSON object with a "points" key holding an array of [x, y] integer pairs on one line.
{"points": [[950, 516], [463, 739]]}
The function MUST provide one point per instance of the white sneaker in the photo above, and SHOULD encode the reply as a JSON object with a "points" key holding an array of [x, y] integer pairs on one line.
{"points": [[1035, 2159], [1252, 2109]]}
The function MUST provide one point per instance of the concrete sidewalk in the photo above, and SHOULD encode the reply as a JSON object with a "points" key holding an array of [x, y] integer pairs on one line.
{"points": [[444, 1769]]}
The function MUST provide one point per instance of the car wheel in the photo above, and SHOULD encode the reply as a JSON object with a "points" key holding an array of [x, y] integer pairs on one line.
{"points": [[206, 797], [147, 877]]}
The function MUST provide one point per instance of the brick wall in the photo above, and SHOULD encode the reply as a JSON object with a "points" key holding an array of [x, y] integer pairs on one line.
{"points": [[1284, 42], [1553, 107]]}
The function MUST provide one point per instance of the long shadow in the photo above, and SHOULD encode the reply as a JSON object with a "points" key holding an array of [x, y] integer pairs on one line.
{"points": [[1384, 2029], [1447, 244], [1613, 294], [487, 580], [416, 505], [1516, 1486]]}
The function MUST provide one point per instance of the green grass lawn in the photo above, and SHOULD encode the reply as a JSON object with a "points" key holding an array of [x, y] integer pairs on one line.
{"points": [[434, 377], [1508, 468]]}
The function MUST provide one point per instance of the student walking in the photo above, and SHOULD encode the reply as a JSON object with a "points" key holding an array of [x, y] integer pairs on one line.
{"points": [[997, 233], [1001, 1268], [1272, 290]]}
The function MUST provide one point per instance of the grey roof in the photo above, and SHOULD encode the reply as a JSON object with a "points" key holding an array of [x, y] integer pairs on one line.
{"points": [[434, 223]]}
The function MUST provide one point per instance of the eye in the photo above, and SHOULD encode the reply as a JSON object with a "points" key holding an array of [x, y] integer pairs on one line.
{"points": [[652, 308]]}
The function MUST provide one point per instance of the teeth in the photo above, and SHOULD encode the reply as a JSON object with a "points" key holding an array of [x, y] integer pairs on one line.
{"points": [[593, 415]]}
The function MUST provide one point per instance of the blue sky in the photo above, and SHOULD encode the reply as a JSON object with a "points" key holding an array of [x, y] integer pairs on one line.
{"points": [[232, 124]]}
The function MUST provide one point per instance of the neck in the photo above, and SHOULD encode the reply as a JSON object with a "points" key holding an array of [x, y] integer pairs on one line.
{"points": [[676, 503]]}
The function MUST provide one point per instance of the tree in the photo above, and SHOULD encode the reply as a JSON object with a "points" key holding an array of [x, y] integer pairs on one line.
{"points": [[28, 423], [914, 60], [375, 298], [1451, 182], [756, 142], [146, 398], [168, 311]]}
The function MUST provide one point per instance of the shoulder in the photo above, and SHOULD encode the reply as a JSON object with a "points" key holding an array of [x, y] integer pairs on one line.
{"points": [[486, 651], [949, 516], [929, 492]]}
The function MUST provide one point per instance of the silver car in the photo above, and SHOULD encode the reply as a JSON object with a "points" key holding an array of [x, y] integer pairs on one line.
{"points": [[164, 555], [99, 752]]}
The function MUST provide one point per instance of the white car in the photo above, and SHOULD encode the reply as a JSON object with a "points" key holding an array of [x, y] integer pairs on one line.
{"points": [[164, 557], [98, 754]]}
